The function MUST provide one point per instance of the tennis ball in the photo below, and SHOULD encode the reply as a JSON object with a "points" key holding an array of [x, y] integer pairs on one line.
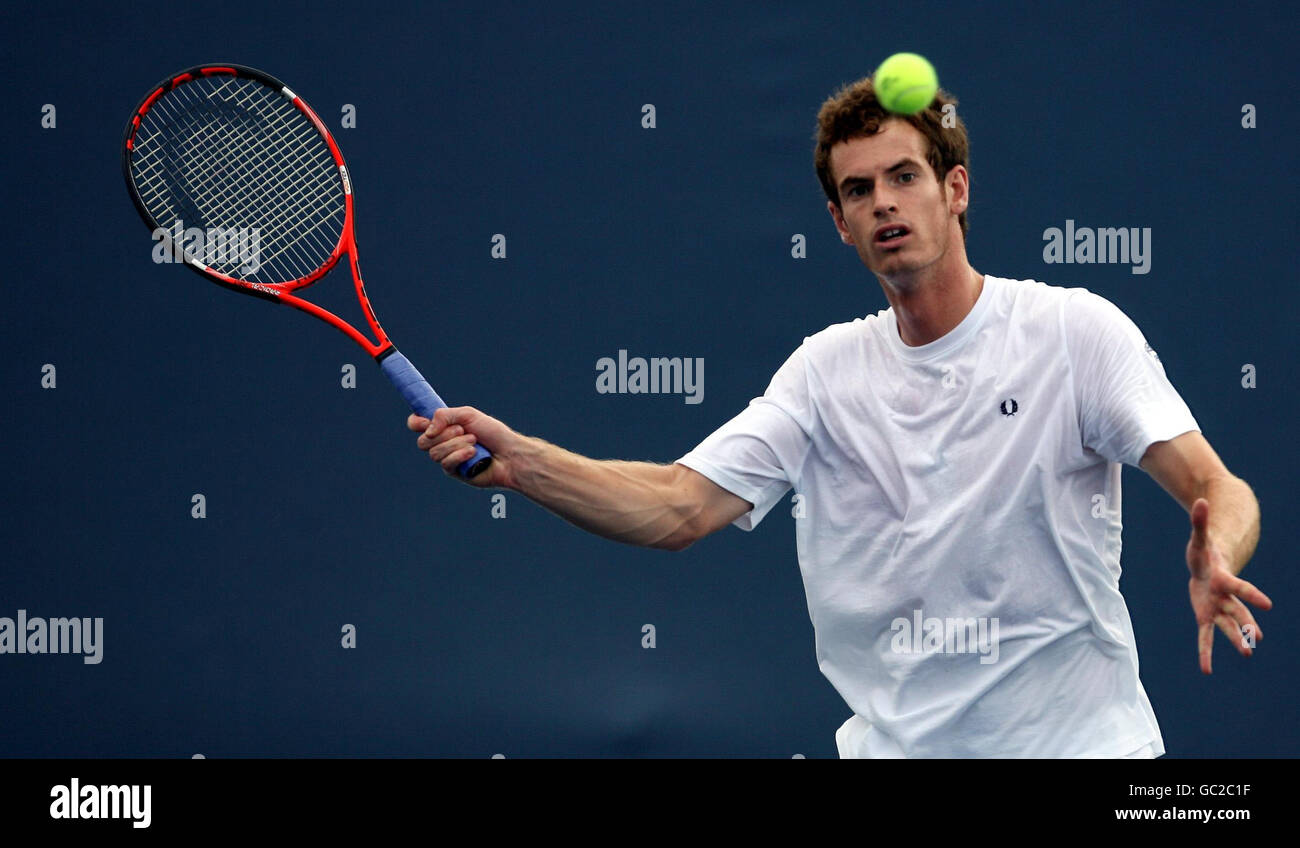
{"points": [[905, 83]]}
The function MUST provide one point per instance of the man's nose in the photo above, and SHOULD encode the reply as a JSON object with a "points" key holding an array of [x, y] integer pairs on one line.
{"points": [[885, 202]]}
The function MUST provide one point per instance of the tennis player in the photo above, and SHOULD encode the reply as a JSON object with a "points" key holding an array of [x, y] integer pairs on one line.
{"points": [[959, 454]]}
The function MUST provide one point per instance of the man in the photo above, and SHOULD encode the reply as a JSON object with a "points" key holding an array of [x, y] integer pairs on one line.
{"points": [[959, 455]]}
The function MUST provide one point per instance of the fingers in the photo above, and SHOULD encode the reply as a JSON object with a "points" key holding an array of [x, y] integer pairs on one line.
{"points": [[441, 418], [1241, 615], [454, 452], [426, 442], [1228, 627], [1198, 547], [434, 432], [1236, 622], [1247, 592], [447, 437], [1205, 644], [1200, 524], [451, 464], [432, 428]]}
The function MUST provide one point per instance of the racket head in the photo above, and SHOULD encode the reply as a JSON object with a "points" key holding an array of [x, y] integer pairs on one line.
{"points": [[229, 149]]}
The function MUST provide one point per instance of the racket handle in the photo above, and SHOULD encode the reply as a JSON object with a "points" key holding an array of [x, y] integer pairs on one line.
{"points": [[424, 401]]}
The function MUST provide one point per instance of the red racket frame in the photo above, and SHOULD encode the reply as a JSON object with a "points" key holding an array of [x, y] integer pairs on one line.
{"points": [[278, 292]]}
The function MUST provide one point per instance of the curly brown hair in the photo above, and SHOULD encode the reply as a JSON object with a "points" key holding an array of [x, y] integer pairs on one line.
{"points": [[854, 112]]}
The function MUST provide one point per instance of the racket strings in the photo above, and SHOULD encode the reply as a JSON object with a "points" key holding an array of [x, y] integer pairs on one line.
{"points": [[157, 182], [310, 176], [208, 156], [233, 154], [320, 178]]}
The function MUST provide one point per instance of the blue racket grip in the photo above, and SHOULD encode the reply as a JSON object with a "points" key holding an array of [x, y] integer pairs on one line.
{"points": [[424, 401]]}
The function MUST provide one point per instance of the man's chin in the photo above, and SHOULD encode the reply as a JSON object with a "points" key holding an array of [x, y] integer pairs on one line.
{"points": [[899, 272], [891, 264]]}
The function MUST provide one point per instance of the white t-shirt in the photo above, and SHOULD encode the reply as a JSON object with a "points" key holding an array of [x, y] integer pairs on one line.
{"points": [[959, 526]]}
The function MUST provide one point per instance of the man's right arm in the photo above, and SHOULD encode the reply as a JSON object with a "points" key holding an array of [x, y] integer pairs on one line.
{"points": [[638, 503]]}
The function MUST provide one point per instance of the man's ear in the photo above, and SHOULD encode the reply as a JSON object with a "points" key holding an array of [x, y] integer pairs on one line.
{"points": [[837, 215], [957, 184]]}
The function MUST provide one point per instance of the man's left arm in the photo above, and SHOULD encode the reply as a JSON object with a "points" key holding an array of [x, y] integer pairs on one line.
{"points": [[1188, 469], [1225, 530]]}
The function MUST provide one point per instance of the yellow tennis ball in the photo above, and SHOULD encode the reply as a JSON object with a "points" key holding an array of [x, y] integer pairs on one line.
{"points": [[905, 83]]}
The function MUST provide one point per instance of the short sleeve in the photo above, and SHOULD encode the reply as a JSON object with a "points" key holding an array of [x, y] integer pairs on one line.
{"points": [[757, 455], [1124, 399]]}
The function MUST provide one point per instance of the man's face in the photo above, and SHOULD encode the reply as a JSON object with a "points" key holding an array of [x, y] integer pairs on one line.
{"points": [[884, 180]]}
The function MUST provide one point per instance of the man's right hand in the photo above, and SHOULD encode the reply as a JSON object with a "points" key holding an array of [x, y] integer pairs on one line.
{"points": [[637, 503], [449, 439]]}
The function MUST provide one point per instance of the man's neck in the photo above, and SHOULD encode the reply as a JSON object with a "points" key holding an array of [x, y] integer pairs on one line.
{"points": [[929, 308]]}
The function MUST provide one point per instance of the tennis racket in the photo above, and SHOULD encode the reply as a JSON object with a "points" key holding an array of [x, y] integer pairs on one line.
{"points": [[252, 193]]}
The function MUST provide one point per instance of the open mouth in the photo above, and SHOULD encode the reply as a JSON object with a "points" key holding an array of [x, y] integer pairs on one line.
{"points": [[892, 236]]}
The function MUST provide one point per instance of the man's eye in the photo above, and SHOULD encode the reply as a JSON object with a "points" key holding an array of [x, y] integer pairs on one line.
{"points": [[907, 174], [856, 190]]}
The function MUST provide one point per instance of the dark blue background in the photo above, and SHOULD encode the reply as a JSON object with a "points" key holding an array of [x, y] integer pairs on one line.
{"points": [[522, 636]]}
